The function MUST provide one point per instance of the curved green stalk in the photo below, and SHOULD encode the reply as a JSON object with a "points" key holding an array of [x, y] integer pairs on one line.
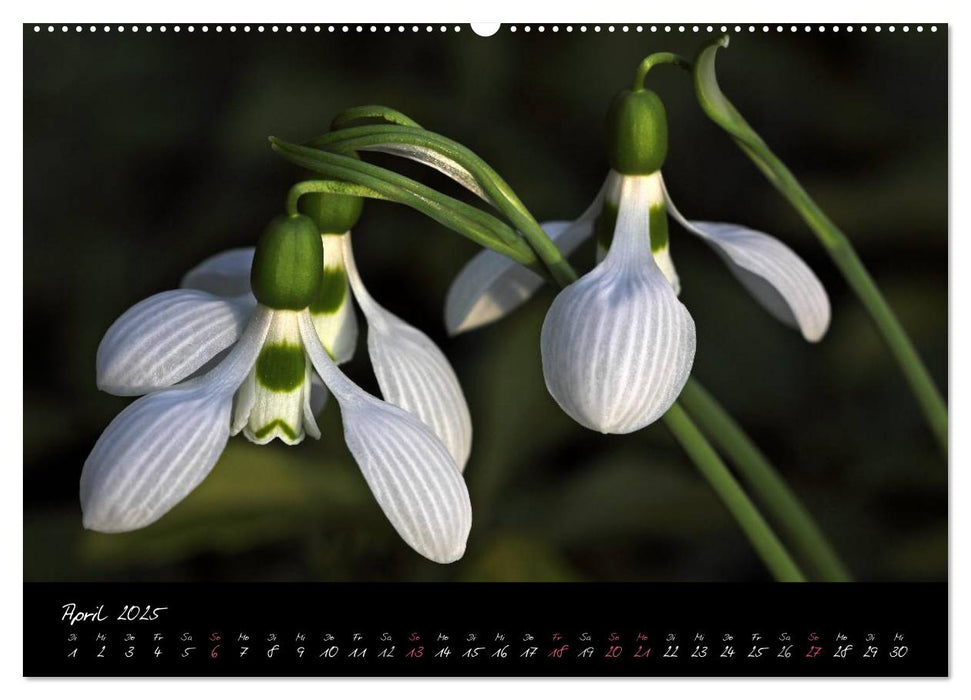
{"points": [[471, 171], [766, 544], [657, 59], [839, 247], [327, 187], [473, 223], [770, 488]]}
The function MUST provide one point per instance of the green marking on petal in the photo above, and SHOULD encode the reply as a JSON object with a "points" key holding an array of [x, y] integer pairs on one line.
{"points": [[659, 227], [606, 222], [270, 427], [280, 367], [333, 291]]}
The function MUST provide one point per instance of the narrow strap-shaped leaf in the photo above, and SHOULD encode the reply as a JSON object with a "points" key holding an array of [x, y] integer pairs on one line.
{"points": [[464, 166], [475, 224]]}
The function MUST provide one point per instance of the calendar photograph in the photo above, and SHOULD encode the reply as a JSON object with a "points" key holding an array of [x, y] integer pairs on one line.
{"points": [[494, 313]]}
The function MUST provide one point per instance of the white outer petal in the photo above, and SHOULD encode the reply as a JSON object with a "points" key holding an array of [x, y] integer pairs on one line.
{"points": [[617, 344], [309, 421], [662, 256], [663, 259], [225, 274], [491, 285], [243, 403], [772, 273], [156, 451], [163, 339], [318, 394], [409, 470], [412, 372]]}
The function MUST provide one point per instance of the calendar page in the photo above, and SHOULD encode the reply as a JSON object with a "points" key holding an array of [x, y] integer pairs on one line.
{"points": [[391, 349]]}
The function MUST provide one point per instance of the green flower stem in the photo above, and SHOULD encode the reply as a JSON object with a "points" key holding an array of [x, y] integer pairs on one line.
{"points": [[769, 487], [657, 59], [765, 542], [717, 106], [760, 475], [327, 187], [473, 223], [841, 251], [464, 166]]}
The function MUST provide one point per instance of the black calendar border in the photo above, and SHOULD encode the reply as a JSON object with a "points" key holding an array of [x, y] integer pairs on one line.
{"points": [[917, 611]]}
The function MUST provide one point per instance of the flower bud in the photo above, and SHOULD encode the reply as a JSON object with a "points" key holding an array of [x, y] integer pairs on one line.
{"points": [[287, 264], [637, 133]]}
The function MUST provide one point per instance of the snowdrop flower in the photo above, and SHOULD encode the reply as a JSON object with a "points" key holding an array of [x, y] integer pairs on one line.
{"points": [[490, 285], [617, 345], [412, 372], [156, 451]]}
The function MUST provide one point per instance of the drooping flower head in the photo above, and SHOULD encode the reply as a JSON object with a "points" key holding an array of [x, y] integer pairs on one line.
{"points": [[164, 444], [616, 348], [412, 372], [617, 344]]}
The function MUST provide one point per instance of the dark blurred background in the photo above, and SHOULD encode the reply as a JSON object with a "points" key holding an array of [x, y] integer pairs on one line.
{"points": [[145, 153]]}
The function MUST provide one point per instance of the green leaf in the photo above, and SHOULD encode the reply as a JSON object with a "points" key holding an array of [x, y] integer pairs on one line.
{"points": [[475, 224], [466, 168], [713, 100]]}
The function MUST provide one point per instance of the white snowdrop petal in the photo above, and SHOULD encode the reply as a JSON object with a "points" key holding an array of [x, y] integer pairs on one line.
{"points": [[225, 274], [664, 261], [163, 445], [309, 421], [773, 274], [333, 313], [243, 403], [280, 403], [490, 285], [486, 289], [165, 338], [412, 476], [617, 345], [151, 456], [412, 372], [340, 329], [276, 415], [318, 394], [409, 470]]}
